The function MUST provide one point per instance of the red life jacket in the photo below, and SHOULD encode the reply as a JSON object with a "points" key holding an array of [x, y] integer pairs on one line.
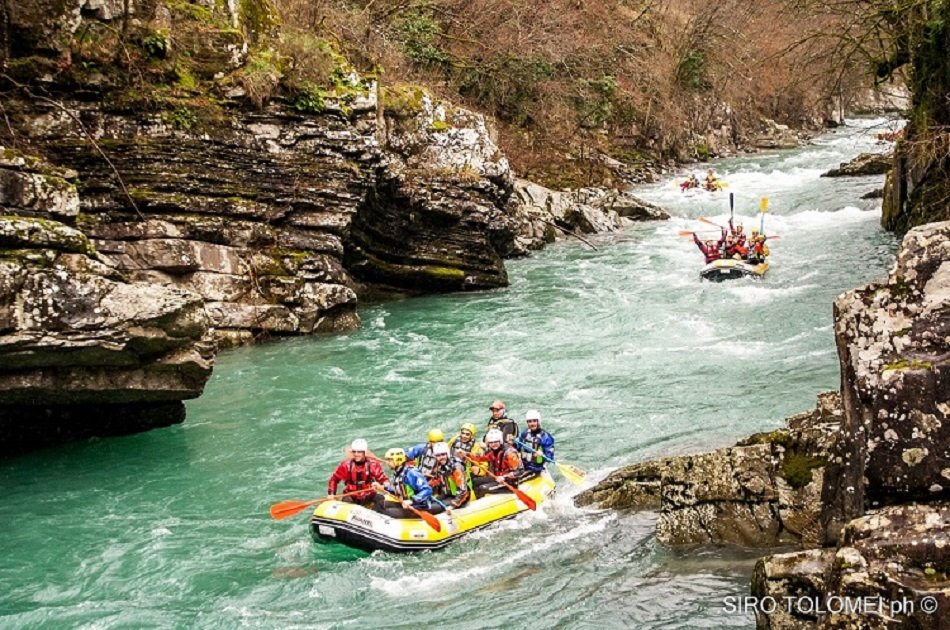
{"points": [[498, 463], [358, 478]]}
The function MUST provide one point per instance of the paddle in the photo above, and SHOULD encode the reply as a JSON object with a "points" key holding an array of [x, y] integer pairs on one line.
{"points": [[453, 526], [764, 207], [691, 232], [732, 208], [348, 453], [572, 473], [705, 220], [289, 508], [430, 520], [524, 498]]}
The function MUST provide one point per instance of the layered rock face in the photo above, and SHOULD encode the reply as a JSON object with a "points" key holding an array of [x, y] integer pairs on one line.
{"points": [[252, 218], [435, 219], [83, 351]]}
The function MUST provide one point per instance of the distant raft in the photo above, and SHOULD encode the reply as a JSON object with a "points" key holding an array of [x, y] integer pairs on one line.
{"points": [[730, 269], [360, 527]]}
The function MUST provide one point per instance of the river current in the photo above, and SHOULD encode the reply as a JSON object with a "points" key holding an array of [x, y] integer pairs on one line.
{"points": [[624, 351]]}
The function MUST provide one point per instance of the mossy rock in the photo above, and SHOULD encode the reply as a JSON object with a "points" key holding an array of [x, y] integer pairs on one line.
{"points": [[797, 467], [403, 100]]}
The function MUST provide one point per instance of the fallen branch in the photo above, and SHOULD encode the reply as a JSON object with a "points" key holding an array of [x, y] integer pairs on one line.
{"points": [[85, 132], [567, 231]]}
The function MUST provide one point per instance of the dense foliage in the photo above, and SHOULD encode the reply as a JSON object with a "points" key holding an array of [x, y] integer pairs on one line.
{"points": [[570, 81]]}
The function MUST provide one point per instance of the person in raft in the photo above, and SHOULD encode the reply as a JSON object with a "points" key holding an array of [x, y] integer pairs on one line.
{"points": [[504, 466], [357, 473], [408, 485], [499, 420], [536, 444], [422, 455], [711, 249], [464, 444], [451, 478]]}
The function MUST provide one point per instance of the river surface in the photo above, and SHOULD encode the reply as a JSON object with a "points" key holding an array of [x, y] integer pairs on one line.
{"points": [[623, 350]]}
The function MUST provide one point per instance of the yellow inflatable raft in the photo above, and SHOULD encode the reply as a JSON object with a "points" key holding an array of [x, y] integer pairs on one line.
{"points": [[729, 268], [363, 528]]}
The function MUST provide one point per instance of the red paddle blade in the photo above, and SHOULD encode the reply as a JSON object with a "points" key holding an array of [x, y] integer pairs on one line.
{"points": [[430, 520], [524, 498], [289, 508]]}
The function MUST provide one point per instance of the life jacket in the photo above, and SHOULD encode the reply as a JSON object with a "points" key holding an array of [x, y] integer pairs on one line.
{"points": [[427, 462], [471, 448], [402, 489], [534, 441], [456, 444], [358, 477], [506, 425], [445, 477], [498, 463]]}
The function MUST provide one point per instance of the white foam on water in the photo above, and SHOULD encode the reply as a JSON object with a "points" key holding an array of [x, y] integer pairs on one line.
{"points": [[435, 581], [810, 220], [757, 294]]}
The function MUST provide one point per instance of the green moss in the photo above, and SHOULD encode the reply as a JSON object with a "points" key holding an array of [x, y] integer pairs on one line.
{"points": [[85, 220], [444, 273], [439, 126], [904, 364], [33, 258], [403, 99], [258, 18], [186, 79], [903, 331], [797, 467], [190, 9]]}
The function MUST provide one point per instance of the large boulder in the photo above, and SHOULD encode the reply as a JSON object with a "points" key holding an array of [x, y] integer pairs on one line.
{"points": [[84, 352], [540, 215], [864, 164], [761, 492], [889, 569], [893, 346]]}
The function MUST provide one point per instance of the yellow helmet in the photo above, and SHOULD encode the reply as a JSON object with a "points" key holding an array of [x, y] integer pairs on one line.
{"points": [[435, 435], [471, 428], [396, 457]]}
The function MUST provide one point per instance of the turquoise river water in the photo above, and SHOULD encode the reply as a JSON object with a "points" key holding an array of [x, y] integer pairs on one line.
{"points": [[623, 350]]}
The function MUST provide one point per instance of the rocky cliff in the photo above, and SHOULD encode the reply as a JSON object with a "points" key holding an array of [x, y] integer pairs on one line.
{"points": [[860, 483], [83, 350], [194, 149]]}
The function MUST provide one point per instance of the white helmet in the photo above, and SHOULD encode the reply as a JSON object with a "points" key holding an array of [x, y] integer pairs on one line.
{"points": [[359, 444], [533, 414], [493, 436], [440, 448]]}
